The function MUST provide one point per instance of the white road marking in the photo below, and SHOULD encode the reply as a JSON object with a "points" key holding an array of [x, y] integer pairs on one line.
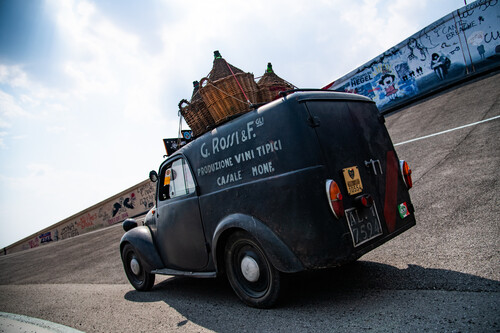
{"points": [[447, 131]]}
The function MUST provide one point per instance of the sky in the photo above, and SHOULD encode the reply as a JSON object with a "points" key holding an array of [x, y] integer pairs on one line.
{"points": [[88, 89]]}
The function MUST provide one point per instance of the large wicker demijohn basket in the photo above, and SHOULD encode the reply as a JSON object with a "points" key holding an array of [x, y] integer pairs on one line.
{"points": [[227, 91], [270, 85], [196, 112]]}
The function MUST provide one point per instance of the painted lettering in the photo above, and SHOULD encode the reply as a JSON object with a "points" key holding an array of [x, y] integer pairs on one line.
{"points": [[270, 147], [262, 169], [46, 237], [204, 151], [210, 168], [356, 81], [222, 143], [245, 156], [259, 122], [229, 178]]}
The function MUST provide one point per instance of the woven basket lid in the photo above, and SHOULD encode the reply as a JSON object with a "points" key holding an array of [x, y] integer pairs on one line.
{"points": [[270, 78], [220, 68]]}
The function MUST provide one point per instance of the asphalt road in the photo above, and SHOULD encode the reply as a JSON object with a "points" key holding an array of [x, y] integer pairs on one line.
{"points": [[442, 275]]}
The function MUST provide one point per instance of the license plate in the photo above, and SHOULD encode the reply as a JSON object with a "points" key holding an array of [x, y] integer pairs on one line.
{"points": [[364, 224]]}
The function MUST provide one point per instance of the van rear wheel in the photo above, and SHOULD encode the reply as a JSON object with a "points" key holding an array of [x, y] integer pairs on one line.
{"points": [[253, 278], [134, 269]]}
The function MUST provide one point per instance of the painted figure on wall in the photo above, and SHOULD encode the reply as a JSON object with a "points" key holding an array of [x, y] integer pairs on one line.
{"points": [[481, 51], [414, 44], [387, 82], [129, 202], [440, 64], [117, 207]]}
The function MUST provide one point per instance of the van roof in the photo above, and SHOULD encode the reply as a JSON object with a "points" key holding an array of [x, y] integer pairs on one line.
{"points": [[298, 95], [320, 94]]}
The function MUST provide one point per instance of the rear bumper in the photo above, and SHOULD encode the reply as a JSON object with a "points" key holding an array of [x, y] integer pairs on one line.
{"points": [[351, 253]]}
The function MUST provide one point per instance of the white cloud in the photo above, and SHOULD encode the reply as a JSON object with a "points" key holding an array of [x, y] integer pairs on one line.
{"points": [[9, 107], [109, 62], [2, 143], [5, 124], [13, 76], [57, 129]]}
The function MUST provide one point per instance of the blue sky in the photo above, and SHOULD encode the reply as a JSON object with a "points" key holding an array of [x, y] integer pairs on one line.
{"points": [[88, 89]]}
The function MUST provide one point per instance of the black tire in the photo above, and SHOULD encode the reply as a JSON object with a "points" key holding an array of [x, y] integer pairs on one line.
{"points": [[259, 285], [137, 276]]}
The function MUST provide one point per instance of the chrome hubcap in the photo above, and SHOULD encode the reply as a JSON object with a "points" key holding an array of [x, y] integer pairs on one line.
{"points": [[135, 267], [250, 269]]}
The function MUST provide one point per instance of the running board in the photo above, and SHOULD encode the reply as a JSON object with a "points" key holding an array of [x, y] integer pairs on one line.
{"points": [[166, 271]]}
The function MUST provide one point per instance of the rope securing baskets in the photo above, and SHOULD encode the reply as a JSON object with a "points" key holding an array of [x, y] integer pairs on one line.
{"points": [[227, 91]]}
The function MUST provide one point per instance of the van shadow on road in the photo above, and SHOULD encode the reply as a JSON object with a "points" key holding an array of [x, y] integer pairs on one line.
{"points": [[337, 296]]}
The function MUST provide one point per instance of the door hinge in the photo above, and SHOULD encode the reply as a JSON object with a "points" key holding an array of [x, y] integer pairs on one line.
{"points": [[373, 164]]}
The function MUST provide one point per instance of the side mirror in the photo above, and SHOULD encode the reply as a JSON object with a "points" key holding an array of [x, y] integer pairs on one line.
{"points": [[153, 176]]}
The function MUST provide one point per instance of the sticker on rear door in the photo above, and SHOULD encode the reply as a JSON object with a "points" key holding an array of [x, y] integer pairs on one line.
{"points": [[403, 210], [353, 180]]}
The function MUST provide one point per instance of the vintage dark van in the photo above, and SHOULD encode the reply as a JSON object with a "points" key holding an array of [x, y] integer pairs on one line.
{"points": [[305, 182]]}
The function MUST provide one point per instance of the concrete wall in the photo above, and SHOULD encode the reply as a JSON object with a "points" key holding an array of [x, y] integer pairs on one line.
{"points": [[464, 42], [132, 202]]}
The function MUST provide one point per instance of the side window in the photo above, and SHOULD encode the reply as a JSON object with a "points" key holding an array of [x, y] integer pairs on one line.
{"points": [[176, 180]]}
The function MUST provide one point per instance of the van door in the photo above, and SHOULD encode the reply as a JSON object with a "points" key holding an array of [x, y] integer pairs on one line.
{"points": [[360, 157], [180, 237]]}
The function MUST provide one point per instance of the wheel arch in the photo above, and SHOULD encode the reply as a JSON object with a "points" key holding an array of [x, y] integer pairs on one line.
{"points": [[280, 255], [142, 241]]}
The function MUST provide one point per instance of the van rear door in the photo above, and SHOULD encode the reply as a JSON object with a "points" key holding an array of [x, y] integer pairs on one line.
{"points": [[360, 157]]}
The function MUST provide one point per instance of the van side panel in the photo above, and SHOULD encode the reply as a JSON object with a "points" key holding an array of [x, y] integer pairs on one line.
{"points": [[260, 144], [276, 175]]}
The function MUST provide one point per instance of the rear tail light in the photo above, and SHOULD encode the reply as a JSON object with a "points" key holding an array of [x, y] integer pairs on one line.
{"points": [[335, 198], [364, 200], [406, 173]]}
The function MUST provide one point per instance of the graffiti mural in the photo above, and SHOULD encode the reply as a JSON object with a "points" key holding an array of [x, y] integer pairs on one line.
{"points": [[134, 202], [147, 195], [465, 41], [69, 231], [33, 242], [46, 237]]}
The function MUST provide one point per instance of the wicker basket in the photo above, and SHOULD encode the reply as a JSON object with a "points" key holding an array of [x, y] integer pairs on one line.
{"points": [[225, 97], [270, 85], [196, 115], [221, 68]]}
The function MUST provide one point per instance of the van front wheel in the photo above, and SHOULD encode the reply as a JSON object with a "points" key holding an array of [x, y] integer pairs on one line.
{"points": [[136, 274], [253, 278]]}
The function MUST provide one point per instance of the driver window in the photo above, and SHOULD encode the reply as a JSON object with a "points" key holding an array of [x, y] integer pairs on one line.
{"points": [[176, 180]]}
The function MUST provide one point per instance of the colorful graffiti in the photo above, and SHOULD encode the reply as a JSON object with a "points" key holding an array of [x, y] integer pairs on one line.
{"points": [[34, 242], [147, 195], [137, 201], [46, 237], [463, 42], [86, 221]]}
